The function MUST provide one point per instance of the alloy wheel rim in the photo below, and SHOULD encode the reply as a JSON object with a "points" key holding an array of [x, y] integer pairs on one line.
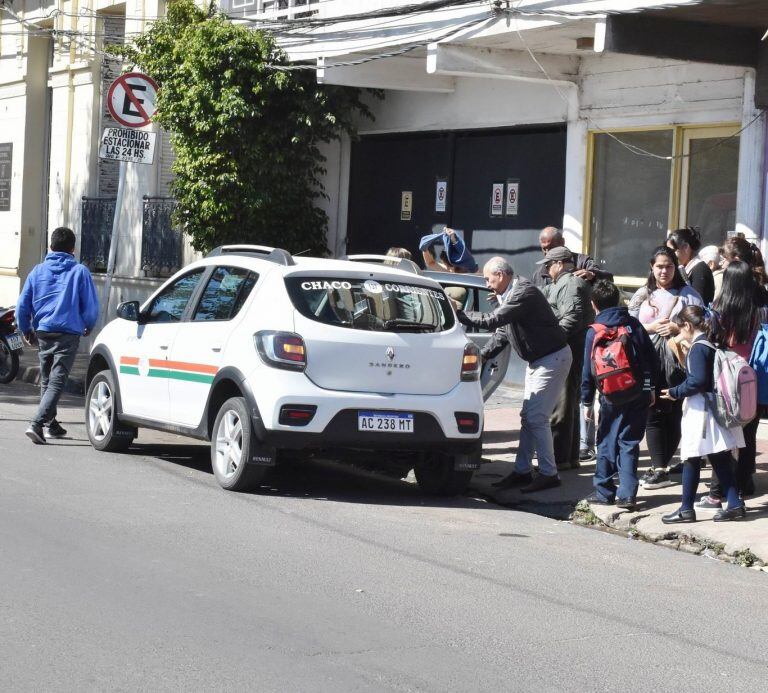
{"points": [[229, 445], [100, 411]]}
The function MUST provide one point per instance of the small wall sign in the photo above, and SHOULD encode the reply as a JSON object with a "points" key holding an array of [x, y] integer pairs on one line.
{"points": [[497, 199], [441, 195], [406, 205], [512, 197]]}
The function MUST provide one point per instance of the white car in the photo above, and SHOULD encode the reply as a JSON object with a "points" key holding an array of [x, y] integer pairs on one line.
{"points": [[260, 352]]}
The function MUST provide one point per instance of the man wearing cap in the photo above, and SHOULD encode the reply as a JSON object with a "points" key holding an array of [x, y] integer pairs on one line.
{"points": [[525, 321], [569, 298], [585, 266]]}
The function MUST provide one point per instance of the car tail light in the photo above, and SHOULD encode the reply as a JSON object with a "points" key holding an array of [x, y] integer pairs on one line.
{"points": [[467, 421], [296, 414], [281, 349], [471, 364]]}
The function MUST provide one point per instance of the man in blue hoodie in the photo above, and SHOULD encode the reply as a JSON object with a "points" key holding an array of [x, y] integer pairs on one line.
{"points": [[624, 378], [58, 305]]}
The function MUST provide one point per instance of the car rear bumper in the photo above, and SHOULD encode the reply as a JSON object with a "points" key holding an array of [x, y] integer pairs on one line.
{"points": [[342, 432], [335, 421]]}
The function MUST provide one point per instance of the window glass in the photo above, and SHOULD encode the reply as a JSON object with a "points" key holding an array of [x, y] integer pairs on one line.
{"points": [[379, 306], [225, 294], [630, 200], [713, 171], [170, 304]]}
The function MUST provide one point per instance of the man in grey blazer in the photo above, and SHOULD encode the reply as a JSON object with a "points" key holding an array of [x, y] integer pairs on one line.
{"points": [[525, 320]]}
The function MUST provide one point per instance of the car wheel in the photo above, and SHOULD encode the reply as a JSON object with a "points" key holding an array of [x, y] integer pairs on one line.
{"points": [[231, 445], [105, 432], [9, 363], [437, 477]]}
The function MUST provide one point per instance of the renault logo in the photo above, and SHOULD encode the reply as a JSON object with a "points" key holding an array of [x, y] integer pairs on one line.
{"points": [[391, 353]]}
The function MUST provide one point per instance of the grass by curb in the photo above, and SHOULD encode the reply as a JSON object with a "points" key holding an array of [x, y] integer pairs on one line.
{"points": [[680, 541]]}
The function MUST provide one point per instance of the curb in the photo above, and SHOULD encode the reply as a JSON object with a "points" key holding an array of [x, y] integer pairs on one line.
{"points": [[31, 374], [625, 524]]}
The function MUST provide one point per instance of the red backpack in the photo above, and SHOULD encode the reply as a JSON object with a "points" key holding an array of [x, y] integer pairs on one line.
{"points": [[614, 365]]}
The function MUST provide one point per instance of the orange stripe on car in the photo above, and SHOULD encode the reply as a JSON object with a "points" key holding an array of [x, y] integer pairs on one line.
{"points": [[129, 361], [184, 366]]}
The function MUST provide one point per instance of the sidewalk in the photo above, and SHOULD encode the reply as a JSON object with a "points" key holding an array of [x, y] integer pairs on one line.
{"points": [[29, 371], [744, 541]]}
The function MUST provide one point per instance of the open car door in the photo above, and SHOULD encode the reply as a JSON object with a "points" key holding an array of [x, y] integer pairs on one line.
{"points": [[478, 298]]}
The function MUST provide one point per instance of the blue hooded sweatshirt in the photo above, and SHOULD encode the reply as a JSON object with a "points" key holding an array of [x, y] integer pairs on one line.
{"points": [[457, 253], [58, 296]]}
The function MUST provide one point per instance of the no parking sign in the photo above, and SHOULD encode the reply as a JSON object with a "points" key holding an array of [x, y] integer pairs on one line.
{"points": [[131, 99]]}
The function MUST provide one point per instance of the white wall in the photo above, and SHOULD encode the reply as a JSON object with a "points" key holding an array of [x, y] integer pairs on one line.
{"points": [[475, 103], [617, 90]]}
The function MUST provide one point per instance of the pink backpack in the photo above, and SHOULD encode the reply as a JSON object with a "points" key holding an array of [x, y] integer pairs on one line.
{"points": [[734, 400]]}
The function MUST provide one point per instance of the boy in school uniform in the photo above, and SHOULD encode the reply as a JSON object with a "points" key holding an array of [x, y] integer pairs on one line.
{"points": [[619, 364]]}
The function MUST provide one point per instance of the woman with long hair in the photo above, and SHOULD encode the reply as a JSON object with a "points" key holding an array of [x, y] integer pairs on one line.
{"points": [[686, 244], [702, 435], [738, 312], [739, 248], [655, 305]]}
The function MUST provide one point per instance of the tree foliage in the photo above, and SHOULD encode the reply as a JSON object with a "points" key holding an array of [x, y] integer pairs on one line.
{"points": [[246, 135]]}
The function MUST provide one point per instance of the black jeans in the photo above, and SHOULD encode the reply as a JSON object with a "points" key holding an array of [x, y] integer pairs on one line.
{"points": [[57, 354], [662, 432], [744, 464], [564, 421]]}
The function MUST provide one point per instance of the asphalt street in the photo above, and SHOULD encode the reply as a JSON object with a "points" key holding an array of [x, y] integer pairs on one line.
{"points": [[136, 572]]}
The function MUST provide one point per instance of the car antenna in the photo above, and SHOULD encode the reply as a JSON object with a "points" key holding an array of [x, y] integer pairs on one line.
{"points": [[302, 252]]}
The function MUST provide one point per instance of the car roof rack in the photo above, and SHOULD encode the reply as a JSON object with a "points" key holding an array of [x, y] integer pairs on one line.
{"points": [[263, 252], [400, 263]]}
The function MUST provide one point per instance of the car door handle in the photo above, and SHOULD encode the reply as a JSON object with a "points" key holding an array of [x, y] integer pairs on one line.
{"points": [[216, 349], [163, 346]]}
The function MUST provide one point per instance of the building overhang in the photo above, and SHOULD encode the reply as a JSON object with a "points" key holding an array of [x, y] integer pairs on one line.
{"points": [[528, 40], [723, 32]]}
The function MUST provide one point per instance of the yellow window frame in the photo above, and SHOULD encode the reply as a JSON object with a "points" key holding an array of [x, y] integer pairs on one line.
{"points": [[682, 135]]}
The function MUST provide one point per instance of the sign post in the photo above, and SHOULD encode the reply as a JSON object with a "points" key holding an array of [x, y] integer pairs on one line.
{"points": [[131, 102]]}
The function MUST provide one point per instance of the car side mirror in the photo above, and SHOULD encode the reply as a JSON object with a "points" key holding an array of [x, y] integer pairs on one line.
{"points": [[129, 310]]}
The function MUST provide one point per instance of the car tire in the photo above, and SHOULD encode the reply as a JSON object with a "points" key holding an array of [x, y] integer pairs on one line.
{"points": [[105, 432], [231, 443], [437, 477], [10, 359]]}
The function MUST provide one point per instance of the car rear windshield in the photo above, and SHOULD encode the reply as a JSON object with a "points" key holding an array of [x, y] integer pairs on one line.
{"points": [[369, 304]]}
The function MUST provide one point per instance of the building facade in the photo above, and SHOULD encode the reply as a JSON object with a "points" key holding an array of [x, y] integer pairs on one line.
{"points": [[616, 120]]}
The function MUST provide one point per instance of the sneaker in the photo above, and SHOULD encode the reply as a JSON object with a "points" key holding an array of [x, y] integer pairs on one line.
{"points": [[659, 479], [35, 433], [55, 429], [647, 475], [596, 499], [676, 468], [540, 483], [709, 503], [586, 455], [736, 513]]}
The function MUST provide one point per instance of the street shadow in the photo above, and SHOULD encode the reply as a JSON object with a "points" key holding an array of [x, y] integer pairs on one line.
{"points": [[197, 457], [313, 478]]}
